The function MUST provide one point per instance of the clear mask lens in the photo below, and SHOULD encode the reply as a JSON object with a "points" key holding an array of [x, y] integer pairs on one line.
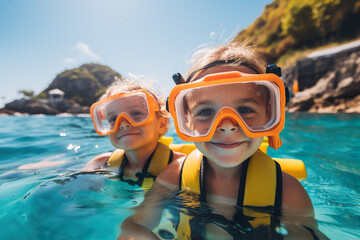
{"points": [[134, 108], [256, 103]]}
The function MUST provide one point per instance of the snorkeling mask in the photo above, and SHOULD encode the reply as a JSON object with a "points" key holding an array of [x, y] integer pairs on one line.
{"points": [[256, 102], [137, 107]]}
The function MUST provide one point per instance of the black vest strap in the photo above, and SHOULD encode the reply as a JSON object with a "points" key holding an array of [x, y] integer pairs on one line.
{"points": [[202, 179], [241, 192], [140, 175], [122, 167], [278, 193]]}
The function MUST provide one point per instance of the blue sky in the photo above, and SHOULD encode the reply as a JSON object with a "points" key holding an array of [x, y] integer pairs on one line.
{"points": [[142, 39]]}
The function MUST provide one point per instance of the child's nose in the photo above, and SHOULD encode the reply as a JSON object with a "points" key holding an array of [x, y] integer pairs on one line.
{"points": [[228, 125], [124, 124]]}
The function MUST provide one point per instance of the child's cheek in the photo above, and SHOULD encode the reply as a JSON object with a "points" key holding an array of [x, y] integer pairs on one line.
{"points": [[255, 144], [113, 139], [201, 147]]}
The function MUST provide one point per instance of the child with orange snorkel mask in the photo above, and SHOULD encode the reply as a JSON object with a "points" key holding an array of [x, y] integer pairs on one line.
{"points": [[227, 105], [135, 119]]}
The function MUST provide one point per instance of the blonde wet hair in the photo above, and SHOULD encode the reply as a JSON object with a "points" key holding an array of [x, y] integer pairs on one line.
{"points": [[127, 85], [241, 54]]}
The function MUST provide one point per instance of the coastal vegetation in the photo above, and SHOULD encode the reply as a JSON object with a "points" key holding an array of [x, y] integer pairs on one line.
{"points": [[28, 94], [288, 29]]}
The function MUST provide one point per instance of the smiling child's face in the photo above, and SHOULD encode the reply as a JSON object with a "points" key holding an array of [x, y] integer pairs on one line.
{"points": [[127, 136], [130, 138], [229, 146]]}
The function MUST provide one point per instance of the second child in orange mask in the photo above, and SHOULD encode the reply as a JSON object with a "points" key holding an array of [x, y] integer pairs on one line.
{"points": [[135, 120]]}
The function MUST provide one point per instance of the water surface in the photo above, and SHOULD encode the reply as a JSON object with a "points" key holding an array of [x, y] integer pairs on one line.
{"points": [[58, 203]]}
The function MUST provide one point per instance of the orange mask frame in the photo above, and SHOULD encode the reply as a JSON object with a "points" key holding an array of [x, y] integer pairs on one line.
{"points": [[97, 115], [224, 78]]}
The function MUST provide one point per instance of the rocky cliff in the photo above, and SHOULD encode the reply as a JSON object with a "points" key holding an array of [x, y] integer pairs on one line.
{"points": [[330, 83], [288, 28]]}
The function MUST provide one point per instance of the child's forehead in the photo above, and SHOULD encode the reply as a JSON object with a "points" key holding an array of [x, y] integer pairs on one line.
{"points": [[225, 68]]}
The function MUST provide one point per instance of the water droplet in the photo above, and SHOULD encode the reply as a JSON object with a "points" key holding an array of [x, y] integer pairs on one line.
{"points": [[281, 230], [76, 148]]}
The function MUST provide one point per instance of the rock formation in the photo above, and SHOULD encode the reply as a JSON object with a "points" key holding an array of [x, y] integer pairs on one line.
{"points": [[338, 90], [85, 84], [82, 87]]}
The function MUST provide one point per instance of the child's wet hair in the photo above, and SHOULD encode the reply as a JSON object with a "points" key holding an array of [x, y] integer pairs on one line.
{"points": [[238, 54], [127, 85]]}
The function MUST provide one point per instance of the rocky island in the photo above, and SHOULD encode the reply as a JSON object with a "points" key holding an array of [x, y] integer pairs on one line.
{"points": [[72, 91]]}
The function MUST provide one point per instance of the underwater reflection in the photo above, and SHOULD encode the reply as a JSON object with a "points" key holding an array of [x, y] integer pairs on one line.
{"points": [[184, 216], [72, 206]]}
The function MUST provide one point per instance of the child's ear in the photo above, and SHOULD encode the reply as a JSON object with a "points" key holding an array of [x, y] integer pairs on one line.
{"points": [[163, 124]]}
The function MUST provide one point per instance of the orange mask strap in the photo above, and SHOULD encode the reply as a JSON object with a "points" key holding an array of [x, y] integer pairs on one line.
{"points": [[275, 141]]}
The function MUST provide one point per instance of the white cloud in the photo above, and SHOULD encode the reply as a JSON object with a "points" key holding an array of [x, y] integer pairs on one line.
{"points": [[83, 53], [69, 60], [85, 49], [212, 34]]}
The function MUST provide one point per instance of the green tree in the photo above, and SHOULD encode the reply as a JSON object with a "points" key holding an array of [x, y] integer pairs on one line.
{"points": [[299, 21], [28, 94], [330, 14]]}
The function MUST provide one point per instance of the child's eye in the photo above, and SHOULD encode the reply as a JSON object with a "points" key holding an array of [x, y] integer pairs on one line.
{"points": [[205, 113], [245, 110], [137, 114], [111, 120]]}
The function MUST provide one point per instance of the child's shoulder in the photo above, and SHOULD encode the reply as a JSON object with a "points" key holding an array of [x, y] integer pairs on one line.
{"points": [[294, 196], [97, 163], [170, 176], [178, 155]]}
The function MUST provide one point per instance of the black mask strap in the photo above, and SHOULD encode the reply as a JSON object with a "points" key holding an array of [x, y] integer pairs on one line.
{"points": [[220, 62]]}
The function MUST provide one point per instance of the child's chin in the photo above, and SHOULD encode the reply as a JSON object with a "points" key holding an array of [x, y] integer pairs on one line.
{"points": [[128, 145], [229, 162]]}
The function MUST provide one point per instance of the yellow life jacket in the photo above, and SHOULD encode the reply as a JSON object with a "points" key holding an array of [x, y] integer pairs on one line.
{"points": [[260, 183], [158, 160], [193, 166], [260, 186]]}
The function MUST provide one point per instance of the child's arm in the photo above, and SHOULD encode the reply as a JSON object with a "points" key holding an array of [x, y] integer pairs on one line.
{"points": [[178, 156], [148, 214], [97, 163], [170, 176], [295, 197], [146, 217]]}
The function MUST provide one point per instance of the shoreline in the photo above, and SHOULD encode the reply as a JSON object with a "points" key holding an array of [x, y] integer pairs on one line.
{"points": [[18, 114]]}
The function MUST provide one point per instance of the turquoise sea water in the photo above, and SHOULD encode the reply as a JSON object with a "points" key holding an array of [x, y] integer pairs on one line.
{"points": [[58, 203]]}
